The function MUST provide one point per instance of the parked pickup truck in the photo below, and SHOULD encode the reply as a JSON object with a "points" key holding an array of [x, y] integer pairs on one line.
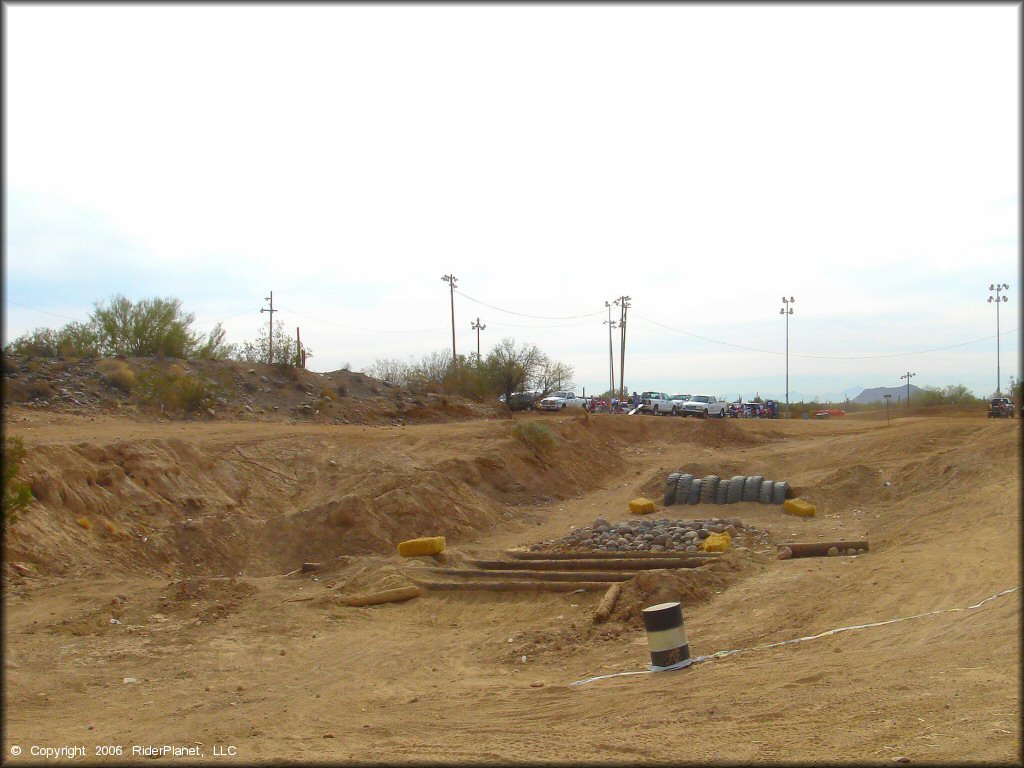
{"points": [[558, 401], [704, 405], [658, 403]]}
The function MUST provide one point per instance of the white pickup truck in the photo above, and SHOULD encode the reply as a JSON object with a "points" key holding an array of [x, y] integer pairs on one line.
{"points": [[704, 405], [558, 401], [658, 403]]}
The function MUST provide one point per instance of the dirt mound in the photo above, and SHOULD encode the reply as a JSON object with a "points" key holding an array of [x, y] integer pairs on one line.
{"points": [[687, 585], [261, 506]]}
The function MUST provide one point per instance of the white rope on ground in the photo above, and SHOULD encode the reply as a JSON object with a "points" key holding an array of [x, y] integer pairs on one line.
{"points": [[723, 654]]}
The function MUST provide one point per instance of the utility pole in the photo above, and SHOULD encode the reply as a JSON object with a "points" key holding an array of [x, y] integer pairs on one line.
{"points": [[998, 287], [887, 399], [907, 377], [611, 355], [300, 358], [623, 303], [477, 326], [270, 298], [452, 280], [787, 311]]}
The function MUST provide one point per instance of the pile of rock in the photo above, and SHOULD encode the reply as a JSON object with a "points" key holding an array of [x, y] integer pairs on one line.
{"points": [[646, 535], [683, 488]]}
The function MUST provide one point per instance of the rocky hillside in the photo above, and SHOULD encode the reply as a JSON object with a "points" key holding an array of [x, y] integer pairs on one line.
{"points": [[148, 388]]}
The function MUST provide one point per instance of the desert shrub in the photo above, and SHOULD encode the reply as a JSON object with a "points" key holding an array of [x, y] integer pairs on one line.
{"points": [[17, 495], [146, 327], [10, 364], [537, 437], [39, 389], [174, 391], [327, 394], [117, 373]]}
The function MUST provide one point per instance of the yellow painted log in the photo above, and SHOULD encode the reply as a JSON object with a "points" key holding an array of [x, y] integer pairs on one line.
{"points": [[799, 507], [641, 506], [717, 542], [429, 545]]}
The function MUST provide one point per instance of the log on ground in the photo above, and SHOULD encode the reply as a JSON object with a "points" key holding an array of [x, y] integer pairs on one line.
{"points": [[538, 575], [821, 548], [387, 596]]}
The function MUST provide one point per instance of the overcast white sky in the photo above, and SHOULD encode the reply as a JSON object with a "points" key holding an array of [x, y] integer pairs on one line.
{"points": [[703, 160]]}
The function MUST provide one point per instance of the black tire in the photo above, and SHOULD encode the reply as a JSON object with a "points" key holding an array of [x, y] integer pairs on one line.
{"points": [[751, 487], [735, 492], [779, 491], [705, 413], [683, 488], [709, 489], [695, 486], [721, 414], [675, 411], [670, 489], [765, 494], [722, 494]]}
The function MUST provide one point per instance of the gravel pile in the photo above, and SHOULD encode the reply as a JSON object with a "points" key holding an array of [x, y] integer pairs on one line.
{"points": [[682, 488], [646, 535]]}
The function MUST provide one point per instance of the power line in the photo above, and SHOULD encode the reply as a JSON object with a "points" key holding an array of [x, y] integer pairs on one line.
{"points": [[355, 328], [34, 309], [823, 357], [521, 314]]}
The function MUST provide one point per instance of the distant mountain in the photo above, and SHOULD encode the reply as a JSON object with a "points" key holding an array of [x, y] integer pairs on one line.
{"points": [[856, 394], [878, 394]]}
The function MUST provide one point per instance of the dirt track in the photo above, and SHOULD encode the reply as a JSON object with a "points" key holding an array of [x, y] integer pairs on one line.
{"points": [[222, 661]]}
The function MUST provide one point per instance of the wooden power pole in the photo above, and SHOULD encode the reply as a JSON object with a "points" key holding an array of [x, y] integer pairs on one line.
{"points": [[270, 298]]}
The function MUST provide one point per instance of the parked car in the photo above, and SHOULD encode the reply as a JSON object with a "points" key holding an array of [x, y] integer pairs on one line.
{"points": [[658, 403], [523, 401], [704, 405], [1001, 408], [558, 401], [679, 400]]}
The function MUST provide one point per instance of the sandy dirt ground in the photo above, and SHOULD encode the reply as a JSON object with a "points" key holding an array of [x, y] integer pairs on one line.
{"points": [[195, 531]]}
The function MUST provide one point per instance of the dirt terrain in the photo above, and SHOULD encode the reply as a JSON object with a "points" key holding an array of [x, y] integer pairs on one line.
{"points": [[167, 553]]}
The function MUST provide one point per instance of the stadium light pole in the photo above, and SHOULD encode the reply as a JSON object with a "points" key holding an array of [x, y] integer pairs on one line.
{"points": [[907, 377], [998, 287], [787, 311]]}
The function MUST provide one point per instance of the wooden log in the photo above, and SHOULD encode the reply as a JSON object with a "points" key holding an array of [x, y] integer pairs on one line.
{"points": [[387, 596], [623, 564], [538, 575], [515, 586], [522, 554], [607, 605], [821, 548]]}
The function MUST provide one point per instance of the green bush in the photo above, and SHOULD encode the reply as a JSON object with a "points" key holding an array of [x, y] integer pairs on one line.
{"points": [[16, 495], [537, 437]]}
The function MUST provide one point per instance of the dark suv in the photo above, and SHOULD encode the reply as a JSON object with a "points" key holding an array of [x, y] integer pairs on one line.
{"points": [[522, 401]]}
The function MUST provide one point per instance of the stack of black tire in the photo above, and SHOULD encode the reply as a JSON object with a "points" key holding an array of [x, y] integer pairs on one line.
{"points": [[682, 488]]}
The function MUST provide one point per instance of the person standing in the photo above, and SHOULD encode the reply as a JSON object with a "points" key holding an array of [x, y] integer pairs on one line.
{"points": [[636, 399]]}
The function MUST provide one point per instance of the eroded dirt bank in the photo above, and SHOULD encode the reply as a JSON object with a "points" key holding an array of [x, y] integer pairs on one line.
{"points": [[276, 666]]}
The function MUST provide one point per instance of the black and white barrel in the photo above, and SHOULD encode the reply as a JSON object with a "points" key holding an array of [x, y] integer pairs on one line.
{"points": [[666, 636]]}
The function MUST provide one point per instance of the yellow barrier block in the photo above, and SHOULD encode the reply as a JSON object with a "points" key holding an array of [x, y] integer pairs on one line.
{"points": [[429, 545], [717, 542], [641, 506], [799, 507]]}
